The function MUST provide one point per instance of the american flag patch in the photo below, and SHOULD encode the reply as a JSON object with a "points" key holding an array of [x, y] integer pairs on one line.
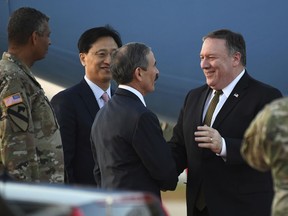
{"points": [[12, 99]]}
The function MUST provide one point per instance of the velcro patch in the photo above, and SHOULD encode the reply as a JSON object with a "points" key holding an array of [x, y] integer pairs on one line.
{"points": [[13, 99], [19, 115]]}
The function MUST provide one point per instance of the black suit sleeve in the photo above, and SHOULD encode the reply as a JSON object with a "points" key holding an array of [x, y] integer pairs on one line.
{"points": [[66, 118], [154, 152], [96, 170], [177, 146]]}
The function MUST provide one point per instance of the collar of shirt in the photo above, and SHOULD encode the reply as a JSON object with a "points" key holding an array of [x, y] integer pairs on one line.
{"points": [[226, 92], [97, 91], [228, 89], [134, 91]]}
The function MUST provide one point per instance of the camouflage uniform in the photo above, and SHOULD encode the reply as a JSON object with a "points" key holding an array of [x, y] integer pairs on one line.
{"points": [[265, 147], [30, 143]]}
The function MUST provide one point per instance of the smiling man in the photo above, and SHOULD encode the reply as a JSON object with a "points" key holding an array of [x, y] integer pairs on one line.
{"points": [[127, 141], [76, 107], [210, 129]]}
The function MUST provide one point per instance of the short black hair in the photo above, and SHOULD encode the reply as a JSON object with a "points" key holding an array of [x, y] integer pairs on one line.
{"points": [[23, 22], [90, 36]]}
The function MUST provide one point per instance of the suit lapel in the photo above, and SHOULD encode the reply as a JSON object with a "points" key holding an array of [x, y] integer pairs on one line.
{"points": [[88, 98], [236, 95]]}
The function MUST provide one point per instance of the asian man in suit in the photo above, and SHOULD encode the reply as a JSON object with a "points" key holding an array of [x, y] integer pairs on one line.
{"points": [[208, 143], [127, 141], [76, 107]]}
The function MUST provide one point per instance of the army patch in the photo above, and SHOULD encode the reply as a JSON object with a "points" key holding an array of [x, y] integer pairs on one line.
{"points": [[19, 115], [13, 99]]}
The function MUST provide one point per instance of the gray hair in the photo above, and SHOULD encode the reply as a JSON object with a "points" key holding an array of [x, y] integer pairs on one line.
{"points": [[126, 59], [234, 42]]}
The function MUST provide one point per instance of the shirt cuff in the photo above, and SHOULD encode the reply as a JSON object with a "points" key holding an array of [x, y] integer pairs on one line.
{"points": [[223, 152]]}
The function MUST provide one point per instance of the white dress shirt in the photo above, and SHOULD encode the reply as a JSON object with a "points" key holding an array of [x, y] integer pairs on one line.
{"points": [[98, 92], [134, 91], [222, 99]]}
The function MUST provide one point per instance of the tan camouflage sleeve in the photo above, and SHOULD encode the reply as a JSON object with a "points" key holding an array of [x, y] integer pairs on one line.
{"points": [[31, 147], [17, 152], [274, 123], [265, 144], [253, 148]]}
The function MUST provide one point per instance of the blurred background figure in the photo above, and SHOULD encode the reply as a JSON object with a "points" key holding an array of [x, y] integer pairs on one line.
{"points": [[265, 148]]}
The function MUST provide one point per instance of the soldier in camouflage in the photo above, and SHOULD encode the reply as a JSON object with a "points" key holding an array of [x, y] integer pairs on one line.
{"points": [[265, 147], [30, 142]]}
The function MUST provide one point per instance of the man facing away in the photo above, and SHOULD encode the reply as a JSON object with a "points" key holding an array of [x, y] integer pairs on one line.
{"points": [[127, 141], [31, 148], [76, 107]]}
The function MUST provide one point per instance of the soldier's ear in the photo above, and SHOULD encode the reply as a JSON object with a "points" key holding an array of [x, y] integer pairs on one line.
{"points": [[34, 38]]}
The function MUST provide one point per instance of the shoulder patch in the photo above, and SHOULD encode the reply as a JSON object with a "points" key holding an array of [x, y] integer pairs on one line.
{"points": [[19, 115], [13, 99]]}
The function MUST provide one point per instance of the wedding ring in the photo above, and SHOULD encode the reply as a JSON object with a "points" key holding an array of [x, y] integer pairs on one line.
{"points": [[211, 139]]}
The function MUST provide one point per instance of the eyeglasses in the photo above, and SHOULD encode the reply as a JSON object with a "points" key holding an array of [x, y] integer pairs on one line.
{"points": [[102, 53]]}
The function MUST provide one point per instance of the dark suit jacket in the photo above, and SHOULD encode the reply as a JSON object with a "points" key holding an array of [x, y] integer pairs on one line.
{"points": [[76, 108], [129, 149], [231, 187]]}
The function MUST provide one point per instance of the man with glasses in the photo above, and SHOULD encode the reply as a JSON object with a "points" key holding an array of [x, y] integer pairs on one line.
{"points": [[76, 107]]}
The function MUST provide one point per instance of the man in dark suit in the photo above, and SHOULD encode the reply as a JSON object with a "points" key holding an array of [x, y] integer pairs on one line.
{"points": [[219, 182], [127, 141], [76, 107]]}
